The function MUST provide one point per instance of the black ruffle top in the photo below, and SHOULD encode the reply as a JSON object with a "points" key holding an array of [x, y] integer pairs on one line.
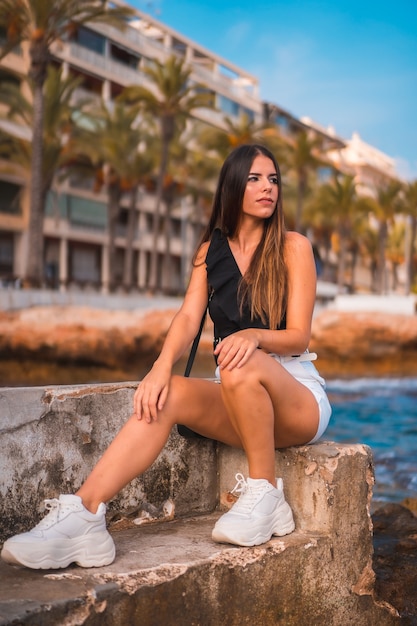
{"points": [[224, 276]]}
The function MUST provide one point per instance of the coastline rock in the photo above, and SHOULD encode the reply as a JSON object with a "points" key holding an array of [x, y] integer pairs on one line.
{"points": [[82, 334], [363, 344], [395, 559], [348, 344]]}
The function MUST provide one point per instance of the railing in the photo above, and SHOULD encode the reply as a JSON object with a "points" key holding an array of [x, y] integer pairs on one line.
{"points": [[109, 66]]}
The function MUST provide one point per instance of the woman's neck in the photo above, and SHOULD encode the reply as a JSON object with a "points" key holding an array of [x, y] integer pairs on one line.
{"points": [[246, 239]]}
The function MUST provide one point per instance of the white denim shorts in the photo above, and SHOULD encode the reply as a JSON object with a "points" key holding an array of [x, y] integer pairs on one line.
{"points": [[303, 370]]}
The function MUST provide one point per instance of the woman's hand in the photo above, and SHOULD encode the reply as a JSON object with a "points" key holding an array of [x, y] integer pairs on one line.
{"points": [[152, 392], [236, 349]]}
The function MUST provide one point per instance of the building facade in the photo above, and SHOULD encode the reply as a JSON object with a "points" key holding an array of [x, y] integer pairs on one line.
{"points": [[75, 226]]}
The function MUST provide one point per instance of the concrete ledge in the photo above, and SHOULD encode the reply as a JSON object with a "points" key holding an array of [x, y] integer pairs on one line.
{"points": [[328, 485], [172, 572], [51, 437], [13, 298]]}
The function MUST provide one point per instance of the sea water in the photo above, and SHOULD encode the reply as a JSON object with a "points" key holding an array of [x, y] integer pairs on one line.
{"points": [[382, 413]]}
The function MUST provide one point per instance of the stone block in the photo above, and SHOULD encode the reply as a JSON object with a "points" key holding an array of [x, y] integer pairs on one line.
{"points": [[51, 438]]}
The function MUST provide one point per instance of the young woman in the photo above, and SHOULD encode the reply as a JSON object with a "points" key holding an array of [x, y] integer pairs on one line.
{"points": [[260, 284]]}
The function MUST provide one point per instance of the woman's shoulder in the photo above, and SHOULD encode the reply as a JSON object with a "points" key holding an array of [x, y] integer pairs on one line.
{"points": [[201, 254], [296, 242]]}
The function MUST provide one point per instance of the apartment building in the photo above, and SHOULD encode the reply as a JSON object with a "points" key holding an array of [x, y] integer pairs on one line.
{"points": [[75, 225], [328, 142], [371, 168], [75, 228]]}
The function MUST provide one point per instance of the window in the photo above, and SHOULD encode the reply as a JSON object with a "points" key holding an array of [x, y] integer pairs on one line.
{"points": [[249, 114], [282, 122], [324, 174], [6, 253], [8, 77], [3, 40], [84, 263], [91, 40], [9, 198], [123, 56], [211, 95], [179, 46], [230, 107]]}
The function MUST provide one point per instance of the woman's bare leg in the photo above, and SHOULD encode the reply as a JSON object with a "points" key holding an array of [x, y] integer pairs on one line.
{"points": [[195, 403], [258, 407], [132, 451], [268, 408]]}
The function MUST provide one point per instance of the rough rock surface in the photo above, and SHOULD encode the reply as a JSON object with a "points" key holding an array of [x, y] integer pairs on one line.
{"points": [[395, 558], [82, 334], [365, 343], [347, 343]]}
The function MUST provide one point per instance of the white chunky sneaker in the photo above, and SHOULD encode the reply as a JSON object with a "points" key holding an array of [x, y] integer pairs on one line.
{"points": [[260, 512], [68, 534]]}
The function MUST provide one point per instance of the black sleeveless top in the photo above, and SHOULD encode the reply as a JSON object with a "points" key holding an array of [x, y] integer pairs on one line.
{"points": [[223, 276]]}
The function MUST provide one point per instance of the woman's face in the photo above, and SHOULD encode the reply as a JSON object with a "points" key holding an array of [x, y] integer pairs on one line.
{"points": [[261, 193]]}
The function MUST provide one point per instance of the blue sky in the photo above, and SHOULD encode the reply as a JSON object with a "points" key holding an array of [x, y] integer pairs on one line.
{"points": [[350, 65]]}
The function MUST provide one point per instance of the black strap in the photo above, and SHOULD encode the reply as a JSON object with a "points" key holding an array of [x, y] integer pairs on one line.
{"points": [[195, 346], [183, 430]]}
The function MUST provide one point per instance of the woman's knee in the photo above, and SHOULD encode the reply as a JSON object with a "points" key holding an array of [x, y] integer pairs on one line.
{"points": [[177, 396], [238, 377]]}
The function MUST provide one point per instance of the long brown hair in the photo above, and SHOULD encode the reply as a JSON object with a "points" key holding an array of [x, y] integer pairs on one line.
{"points": [[264, 286]]}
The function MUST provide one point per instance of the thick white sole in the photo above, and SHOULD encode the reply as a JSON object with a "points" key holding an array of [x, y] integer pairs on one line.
{"points": [[93, 550], [238, 535]]}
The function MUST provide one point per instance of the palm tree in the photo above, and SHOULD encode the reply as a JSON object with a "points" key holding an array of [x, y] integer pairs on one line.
{"points": [[40, 23], [395, 250], [341, 201], [196, 171], [107, 143], [301, 159], [140, 171], [408, 206], [238, 132], [171, 100], [58, 124], [201, 170], [369, 246], [384, 208], [321, 222]]}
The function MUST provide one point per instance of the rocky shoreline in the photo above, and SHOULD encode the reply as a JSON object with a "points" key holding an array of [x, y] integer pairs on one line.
{"points": [[395, 558], [348, 344]]}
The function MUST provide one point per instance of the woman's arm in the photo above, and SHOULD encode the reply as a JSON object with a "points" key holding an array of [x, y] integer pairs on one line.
{"points": [[236, 349], [152, 392]]}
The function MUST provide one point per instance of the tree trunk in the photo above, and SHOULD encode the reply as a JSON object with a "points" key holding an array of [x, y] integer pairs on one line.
{"points": [[34, 273], [381, 281], [302, 185], [353, 269], [113, 215], [130, 236], [327, 243], [167, 134], [342, 260], [394, 276], [410, 255], [167, 254]]}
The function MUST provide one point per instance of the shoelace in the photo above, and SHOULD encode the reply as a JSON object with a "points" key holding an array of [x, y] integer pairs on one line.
{"points": [[54, 506], [241, 485], [248, 496]]}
